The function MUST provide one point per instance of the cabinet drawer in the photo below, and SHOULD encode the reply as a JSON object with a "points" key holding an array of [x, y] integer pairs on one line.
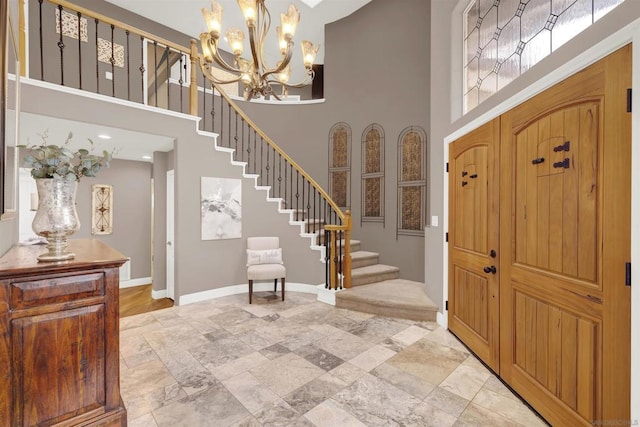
{"points": [[48, 290]]}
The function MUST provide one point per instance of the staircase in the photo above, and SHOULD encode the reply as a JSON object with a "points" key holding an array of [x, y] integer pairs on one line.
{"points": [[378, 289]]}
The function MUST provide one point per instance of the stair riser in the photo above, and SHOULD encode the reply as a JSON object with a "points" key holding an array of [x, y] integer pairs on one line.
{"points": [[373, 278], [354, 246], [363, 262]]}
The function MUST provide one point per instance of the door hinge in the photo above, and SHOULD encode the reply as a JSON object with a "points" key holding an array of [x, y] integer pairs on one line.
{"points": [[446, 236], [446, 305], [627, 278], [447, 167], [629, 103]]}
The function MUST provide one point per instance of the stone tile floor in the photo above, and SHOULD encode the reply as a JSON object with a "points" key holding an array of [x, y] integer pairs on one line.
{"points": [[302, 363]]}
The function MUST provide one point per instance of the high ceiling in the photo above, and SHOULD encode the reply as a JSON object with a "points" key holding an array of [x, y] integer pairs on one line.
{"points": [[185, 16]]}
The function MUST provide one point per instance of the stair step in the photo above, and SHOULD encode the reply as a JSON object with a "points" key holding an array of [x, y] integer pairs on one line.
{"points": [[314, 225], [399, 298], [363, 259], [373, 273]]}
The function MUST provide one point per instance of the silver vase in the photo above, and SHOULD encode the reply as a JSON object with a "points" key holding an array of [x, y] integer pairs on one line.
{"points": [[56, 218]]}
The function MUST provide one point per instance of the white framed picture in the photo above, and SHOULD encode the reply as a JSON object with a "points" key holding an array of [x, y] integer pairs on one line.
{"points": [[220, 208]]}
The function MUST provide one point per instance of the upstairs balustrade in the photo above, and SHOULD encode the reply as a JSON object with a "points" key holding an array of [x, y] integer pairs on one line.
{"points": [[76, 47]]}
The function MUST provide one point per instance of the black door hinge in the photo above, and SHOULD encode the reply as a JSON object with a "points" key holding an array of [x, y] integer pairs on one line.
{"points": [[446, 236], [447, 167], [627, 278], [446, 305], [629, 92]]}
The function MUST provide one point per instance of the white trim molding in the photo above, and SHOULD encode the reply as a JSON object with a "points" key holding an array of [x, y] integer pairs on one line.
{"points": [[135, 282], [244, 289]]}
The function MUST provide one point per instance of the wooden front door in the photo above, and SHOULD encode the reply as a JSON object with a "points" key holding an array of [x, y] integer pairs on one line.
{"points": [[473, 241], [565, 233]]}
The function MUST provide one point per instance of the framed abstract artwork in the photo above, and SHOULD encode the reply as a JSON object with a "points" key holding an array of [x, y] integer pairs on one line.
{"points": [[220, 208], [101, 209]]}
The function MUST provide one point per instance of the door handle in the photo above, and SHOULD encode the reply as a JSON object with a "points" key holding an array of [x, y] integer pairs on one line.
{"points": [[491, 269]]}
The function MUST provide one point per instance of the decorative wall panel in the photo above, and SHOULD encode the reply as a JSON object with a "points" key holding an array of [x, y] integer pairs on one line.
{"points": [[101, 209], [70, 25], [340, 164], [373, 174], [105, 53], [411, 181]]}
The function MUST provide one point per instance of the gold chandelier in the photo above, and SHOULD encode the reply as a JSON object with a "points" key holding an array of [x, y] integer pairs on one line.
{"points": [[255, 74]]}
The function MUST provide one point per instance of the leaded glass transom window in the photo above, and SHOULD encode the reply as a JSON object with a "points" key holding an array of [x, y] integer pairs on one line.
{"points": [[373, 174], [412, 185], [340, 164], [504, 38]]}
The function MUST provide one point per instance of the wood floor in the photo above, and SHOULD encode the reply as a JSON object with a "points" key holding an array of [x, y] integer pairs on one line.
{"points": [[137, 300]]}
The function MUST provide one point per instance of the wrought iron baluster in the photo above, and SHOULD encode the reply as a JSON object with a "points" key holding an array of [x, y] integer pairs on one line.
{"points": [[255, 155], [112, 60], [228, 121], [235, 138], [280, 175], [41, 46], [79, 50], [204, 105], [96, 21], [166, 52], [128, 67], [327, 262], [213, 107], [267, 169], [181, 81], [142, 70], [297, 190], [155, 70], [242, 137], [221, 121], [261, 159], [61, 46]]}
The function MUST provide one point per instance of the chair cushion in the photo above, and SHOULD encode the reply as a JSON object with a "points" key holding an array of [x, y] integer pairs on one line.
{"points": [[260, 243], [264, 256], [266, 272]]}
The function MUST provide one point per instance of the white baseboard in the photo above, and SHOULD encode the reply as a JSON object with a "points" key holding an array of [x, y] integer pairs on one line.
{"points": [[158, 294], [327, 296], [135, 282], [243, 289], [442, 320]]}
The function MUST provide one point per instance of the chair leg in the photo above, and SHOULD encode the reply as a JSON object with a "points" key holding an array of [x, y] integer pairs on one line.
{"points": [[275, 285], [282, 282], [250, 290]]}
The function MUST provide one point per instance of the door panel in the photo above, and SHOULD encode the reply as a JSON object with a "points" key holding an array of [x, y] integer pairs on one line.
{"points": [[473, 241], [565, 210]]}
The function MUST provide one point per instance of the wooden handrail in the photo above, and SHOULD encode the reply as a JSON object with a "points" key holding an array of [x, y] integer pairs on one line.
{"points": [[121, 25]]}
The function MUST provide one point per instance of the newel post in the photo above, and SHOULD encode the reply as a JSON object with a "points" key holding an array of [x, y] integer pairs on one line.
{"points": [[193, 86], [346, 264]]}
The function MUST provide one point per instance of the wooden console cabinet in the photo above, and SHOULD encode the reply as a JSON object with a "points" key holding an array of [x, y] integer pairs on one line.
{"points": [[59, 338]]}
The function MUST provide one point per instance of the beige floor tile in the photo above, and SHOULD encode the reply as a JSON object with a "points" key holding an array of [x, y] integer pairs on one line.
{"points": [[411, 384], [465, 381], [447, 402], [410, 335], [287, 373], [254, 395], [329, 414], [146, 420], [372, 358], [508, 408], [238, 366], [347, 373], [426, 415], [475, 416]]}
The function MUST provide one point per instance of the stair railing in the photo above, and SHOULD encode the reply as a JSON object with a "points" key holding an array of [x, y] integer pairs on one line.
{"points": [[287, 180], [123, 51]]}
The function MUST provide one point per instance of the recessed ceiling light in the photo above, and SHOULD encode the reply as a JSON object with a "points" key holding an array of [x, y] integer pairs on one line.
{"points": [[146, 157], [104, 136]]}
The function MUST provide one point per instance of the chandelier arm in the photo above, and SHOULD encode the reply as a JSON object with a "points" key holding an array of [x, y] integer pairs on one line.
{"points": [[283, 64], [252, 42], [265, 27], [303, 83], [218, 59]]}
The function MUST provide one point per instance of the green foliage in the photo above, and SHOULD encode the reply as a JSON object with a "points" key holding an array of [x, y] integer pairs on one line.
{"points": [[58, 161]]}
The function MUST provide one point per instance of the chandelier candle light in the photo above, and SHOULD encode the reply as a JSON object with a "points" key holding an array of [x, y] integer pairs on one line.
{"points": [[255, 74]]}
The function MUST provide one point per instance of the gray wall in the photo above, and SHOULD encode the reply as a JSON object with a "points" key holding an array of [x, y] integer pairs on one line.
{"points": [[199, 265], [364, 85], [131, 182]]}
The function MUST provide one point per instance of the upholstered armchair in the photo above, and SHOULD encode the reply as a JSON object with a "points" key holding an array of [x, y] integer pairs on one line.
{"points": [[264, 262]]}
